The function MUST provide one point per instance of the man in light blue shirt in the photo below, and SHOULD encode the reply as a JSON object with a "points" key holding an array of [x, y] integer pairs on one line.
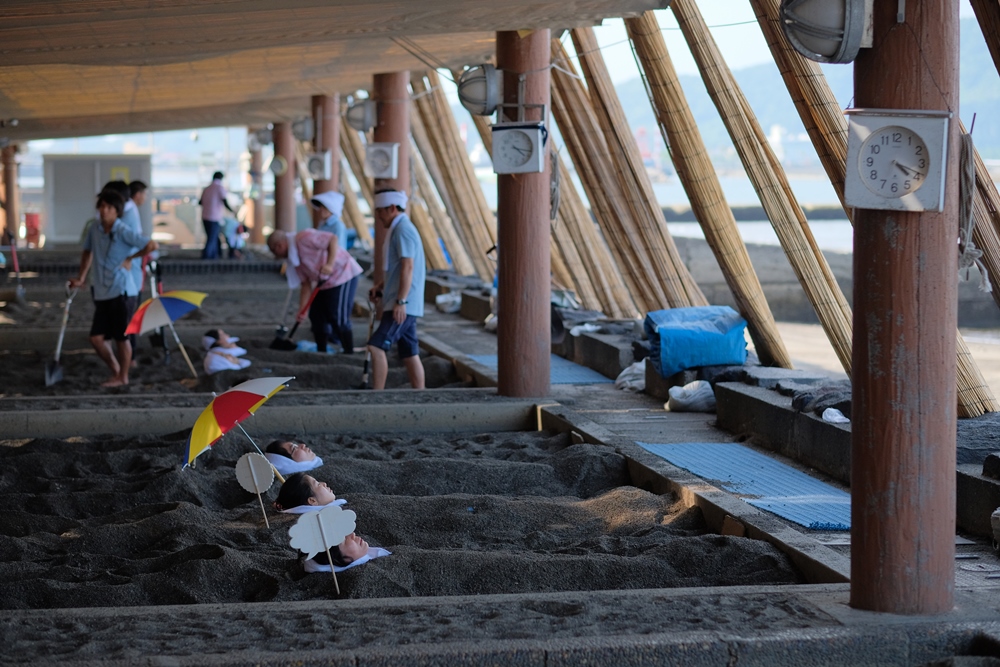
{"points": [[108, 252], [402, 290]]}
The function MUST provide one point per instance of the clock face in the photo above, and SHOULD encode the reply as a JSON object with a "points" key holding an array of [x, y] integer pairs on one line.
{"points": [[515, 147], [893, 161], [380, 160]]}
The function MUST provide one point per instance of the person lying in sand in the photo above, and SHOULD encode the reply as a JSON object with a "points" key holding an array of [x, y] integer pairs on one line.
{"points": [[289, 457], [217, 338], [303, 493]]}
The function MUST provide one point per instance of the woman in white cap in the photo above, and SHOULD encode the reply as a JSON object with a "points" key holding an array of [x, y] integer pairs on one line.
{"points": [[329, 206]]}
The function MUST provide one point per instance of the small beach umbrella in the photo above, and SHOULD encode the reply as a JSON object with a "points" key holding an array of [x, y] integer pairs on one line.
{"points": [[161, 311], [228, 409]]}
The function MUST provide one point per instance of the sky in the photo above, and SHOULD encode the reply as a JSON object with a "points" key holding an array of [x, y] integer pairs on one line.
{"points": [[732, 23]]}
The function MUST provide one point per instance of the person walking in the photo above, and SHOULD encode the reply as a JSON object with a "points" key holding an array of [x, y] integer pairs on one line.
{"points": [[401, 293], [109, 249], [213, 200]]}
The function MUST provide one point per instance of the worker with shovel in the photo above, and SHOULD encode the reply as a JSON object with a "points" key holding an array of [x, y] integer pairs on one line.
{"points": [[109, 249], [327, 275]]}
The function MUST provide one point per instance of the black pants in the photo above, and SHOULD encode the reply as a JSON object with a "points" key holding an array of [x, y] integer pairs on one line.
{"points": [[333, 306]]}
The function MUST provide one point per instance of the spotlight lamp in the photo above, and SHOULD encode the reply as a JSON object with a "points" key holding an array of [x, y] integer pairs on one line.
{"points": [[361, 115], [827, 31], [480, 89]]}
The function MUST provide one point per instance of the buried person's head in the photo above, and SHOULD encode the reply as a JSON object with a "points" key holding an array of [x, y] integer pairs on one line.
{"points": [[301, 489], [296, 451]]}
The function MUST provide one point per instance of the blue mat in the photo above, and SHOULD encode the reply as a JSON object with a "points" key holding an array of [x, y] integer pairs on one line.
{"points": [[763, 482], [563, 371]]}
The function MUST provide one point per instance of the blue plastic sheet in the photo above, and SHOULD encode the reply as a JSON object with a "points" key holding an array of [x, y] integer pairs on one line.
{"points": [[682, 338]]}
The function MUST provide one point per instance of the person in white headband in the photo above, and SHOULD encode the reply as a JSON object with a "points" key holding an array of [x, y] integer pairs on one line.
{"points": [[401, 292]]}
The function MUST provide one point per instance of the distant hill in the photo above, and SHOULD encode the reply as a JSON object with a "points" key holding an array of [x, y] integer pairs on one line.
{"points": [[764, 89]]}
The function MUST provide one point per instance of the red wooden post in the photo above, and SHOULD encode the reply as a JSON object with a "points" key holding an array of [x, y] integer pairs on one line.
{"points": [[392, 98], [905, 313], [326, 122], [284, 185], [524, 340]]}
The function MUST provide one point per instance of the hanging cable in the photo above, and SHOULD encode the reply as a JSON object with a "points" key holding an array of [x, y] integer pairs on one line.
{"points": [[969, 255]]}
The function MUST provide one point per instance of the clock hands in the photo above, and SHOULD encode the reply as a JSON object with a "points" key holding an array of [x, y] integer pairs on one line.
{"points": [[909, 171]]}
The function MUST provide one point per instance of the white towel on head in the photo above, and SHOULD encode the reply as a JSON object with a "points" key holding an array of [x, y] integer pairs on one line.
{"points": [[287, 466], [312, 566], [393, 197], [331, 201], [302, 509], [215, 362]]}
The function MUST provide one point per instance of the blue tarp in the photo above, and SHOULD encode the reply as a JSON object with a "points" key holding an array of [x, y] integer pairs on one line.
{"points": [[682, 338]]}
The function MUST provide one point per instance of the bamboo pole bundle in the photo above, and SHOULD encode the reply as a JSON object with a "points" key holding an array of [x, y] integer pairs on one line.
{"points": [[988, 15], [301, 171], [352, 212], [680, 287], [827, 128], [564, 252], [580, 130], [695, 170], [432, 249], [986, 233], [461, 263], [354, 150], [420, 138], [576, 227], [769, 181], [461, 185]]}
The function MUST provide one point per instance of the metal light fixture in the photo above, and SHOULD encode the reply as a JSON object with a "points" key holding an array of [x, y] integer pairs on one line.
{"points": [[827, 31], [303, 129], [361, 115], [480, 89]]}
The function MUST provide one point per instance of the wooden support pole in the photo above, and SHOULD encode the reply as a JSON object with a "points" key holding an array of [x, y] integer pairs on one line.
{"points": [[668, 268], [256, 195], [10, 191], [326, 137], [904, 415], [284, 185], [697, 175], [392, 99], [523, 296], [988, 15]]}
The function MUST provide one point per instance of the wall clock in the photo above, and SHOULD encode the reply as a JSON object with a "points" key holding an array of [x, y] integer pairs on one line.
{"points": [[382, 160], [518, 148], [896, 159]]}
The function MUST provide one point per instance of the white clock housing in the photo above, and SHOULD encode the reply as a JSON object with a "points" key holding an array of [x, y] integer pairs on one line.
{"points": [[320, 165], [382, 160], [896, 159], [518, 148]]}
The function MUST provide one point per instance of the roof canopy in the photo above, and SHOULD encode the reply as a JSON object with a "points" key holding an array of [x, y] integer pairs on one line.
{"points": [[83, 67]]}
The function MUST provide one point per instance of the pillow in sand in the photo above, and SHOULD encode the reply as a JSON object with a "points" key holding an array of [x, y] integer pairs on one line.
{"points": [[312, 566], [286, 466], [208, 341]]}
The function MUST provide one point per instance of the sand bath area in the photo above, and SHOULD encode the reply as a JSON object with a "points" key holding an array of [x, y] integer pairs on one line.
{"points": [[510, 545]]}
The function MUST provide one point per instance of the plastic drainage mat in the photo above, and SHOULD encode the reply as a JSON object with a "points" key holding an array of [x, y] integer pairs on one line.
{"points": [[563, 371], [762, 482]]}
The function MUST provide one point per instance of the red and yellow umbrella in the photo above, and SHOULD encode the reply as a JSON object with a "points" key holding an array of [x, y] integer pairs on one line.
{"points": [[228, 409]]}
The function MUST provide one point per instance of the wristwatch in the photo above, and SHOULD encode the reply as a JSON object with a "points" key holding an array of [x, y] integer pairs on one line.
{"points": [[401, 302]]}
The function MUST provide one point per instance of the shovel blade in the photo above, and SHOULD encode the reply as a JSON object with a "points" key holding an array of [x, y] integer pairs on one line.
{"points": [[53, 373], [283, 344]]}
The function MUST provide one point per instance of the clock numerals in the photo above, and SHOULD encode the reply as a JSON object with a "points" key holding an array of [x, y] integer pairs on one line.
{"points": [[894, 161]]}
